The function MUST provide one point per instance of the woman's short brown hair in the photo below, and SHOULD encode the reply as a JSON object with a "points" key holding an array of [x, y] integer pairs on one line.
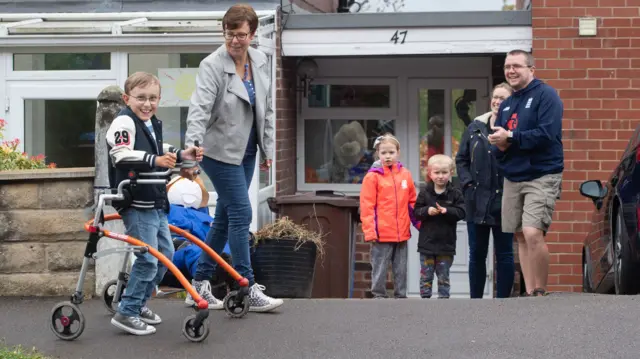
{"points": [[237, 15]]}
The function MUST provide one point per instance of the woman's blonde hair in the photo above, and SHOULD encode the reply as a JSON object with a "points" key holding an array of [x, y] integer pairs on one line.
{"points": [[503, 85]]}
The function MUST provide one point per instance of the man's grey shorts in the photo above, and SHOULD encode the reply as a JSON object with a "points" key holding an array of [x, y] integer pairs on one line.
{"points": [[531, 203]]}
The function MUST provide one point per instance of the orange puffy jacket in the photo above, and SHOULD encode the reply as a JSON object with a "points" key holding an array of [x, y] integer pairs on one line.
{"points": [[387, 198]]}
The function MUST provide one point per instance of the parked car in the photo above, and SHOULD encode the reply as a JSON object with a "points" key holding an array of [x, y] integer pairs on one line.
{"points": [[611, 250]]}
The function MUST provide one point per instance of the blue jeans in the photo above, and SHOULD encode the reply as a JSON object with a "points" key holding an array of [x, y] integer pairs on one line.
{"points": [[232, 217], [151, 227], [478, 248]]}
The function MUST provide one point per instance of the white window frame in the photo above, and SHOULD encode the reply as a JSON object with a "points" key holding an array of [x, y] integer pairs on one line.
{"points": [[342, 113], [4, 99], [63, 75]]}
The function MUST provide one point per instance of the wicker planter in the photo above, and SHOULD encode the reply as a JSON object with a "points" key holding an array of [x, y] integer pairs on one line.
{"points": [[285, 267]]}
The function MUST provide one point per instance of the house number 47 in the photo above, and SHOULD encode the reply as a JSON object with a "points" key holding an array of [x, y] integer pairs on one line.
{"points": [[399, 36]]}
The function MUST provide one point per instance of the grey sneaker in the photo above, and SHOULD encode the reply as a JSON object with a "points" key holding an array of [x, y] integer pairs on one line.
{"points": [[133, 325], [260, 302], [204, 289], [149, 317]]}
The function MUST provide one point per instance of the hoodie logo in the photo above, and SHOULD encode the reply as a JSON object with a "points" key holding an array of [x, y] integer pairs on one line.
{"points": [[528, 105], [404, 184], [506, 108], [512, 124]]}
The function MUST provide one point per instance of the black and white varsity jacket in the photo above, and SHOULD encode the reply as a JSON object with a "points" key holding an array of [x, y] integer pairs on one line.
{"points": [[131, 146]]}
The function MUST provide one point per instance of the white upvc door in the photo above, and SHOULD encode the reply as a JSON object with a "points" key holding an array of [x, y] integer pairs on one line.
{"points": [[451, 102]]}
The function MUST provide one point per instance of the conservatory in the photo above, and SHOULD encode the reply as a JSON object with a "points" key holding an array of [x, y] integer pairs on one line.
{"points": [[54, 65]]}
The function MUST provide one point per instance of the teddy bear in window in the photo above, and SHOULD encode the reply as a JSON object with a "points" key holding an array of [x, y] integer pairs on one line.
{"points": [[349, 154]]}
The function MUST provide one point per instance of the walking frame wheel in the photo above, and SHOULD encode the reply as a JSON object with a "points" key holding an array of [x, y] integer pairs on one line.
{"points": [[193, 331], [236, 303], [109, 294], [67, 321]]}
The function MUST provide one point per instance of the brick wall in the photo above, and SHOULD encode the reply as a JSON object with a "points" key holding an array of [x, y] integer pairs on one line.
{"points": [[285, 122], [362, 275], [598, 79]]}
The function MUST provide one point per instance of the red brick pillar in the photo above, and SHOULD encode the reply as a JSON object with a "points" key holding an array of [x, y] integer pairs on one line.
{"points": [[285, 136], [599, 82]]}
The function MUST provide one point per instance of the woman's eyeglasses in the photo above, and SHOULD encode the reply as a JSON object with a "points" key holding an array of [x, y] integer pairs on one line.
{"points": [[239, 35]]}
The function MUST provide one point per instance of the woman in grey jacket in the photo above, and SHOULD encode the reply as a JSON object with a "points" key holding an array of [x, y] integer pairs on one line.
{"points": [[481, 183], [232, 117]]}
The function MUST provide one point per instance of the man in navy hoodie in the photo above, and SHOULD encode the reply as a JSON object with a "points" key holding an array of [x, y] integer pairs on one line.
{"points": [[527, 142]]}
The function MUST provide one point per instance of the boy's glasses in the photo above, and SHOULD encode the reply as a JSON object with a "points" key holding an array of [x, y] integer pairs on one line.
{"points": [[152, 100], [239, 35]]}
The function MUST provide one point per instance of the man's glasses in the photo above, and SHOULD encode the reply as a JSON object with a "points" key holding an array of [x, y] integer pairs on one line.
{"points": [[515, 67], [239, 35]]}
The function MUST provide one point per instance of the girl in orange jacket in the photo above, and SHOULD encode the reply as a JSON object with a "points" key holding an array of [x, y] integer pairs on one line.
{"points": [[387, 198]]}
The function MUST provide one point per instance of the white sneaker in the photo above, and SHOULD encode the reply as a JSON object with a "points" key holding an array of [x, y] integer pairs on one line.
{"points": [[204, 289], [260, 302]]}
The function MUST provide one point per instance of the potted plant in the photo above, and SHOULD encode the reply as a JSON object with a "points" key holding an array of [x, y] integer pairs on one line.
{"points": [[284, 258]]}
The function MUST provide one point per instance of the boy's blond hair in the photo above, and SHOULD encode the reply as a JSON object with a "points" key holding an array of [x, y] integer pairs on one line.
{"points": [[140, 79], [442, 160]]}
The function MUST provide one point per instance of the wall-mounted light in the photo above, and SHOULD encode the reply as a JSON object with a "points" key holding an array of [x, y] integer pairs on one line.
{"points": [[307, 70]]}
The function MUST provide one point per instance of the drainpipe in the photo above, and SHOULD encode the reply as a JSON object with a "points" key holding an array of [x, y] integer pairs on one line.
{"points": [[343, 5]]}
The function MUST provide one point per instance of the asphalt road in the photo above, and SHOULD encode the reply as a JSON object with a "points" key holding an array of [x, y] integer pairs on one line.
{"points": [[558, 326]]}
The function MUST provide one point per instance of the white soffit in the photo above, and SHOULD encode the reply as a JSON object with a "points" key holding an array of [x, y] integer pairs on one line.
{"points": [[408, 41]]}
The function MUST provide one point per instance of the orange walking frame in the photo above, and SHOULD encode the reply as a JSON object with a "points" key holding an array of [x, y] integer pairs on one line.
{"points": [[68, 322]]}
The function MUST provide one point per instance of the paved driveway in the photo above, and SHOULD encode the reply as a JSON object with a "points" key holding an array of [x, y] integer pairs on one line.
{"points": [[558, 326]]}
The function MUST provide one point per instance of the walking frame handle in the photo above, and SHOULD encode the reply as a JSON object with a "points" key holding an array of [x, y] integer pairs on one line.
{"points": [[119, 195]]}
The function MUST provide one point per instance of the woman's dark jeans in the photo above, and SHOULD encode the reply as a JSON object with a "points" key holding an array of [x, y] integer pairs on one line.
{"points": [[232, 218], [478, 248]]}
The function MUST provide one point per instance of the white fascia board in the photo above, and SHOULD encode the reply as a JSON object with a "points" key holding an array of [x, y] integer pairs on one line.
{"points": [[17, 41], [409, 41], [124, 16], [174, 29]]}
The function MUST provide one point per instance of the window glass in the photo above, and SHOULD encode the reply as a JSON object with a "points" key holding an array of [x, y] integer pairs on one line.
{"points": [[265, 177], [177, 74], [341, 151], [61, 130], [431, 129], [432, 114], [350, 96], [463, 111], [62, 61]]}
